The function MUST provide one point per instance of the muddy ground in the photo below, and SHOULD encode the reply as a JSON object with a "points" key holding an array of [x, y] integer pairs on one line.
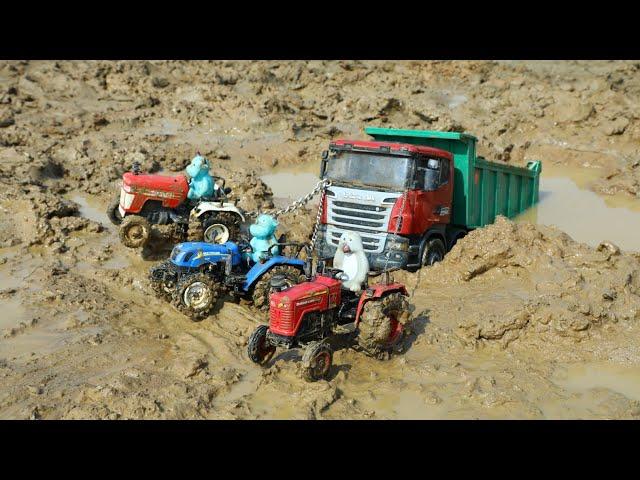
{"points": [[519, 321]]}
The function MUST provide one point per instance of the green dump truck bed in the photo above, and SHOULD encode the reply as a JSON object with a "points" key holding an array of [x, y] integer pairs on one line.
{"points": [[482, 189]]}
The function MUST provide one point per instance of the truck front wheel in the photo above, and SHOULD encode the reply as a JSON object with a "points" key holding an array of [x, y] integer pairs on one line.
{"points": [[433, 252]]}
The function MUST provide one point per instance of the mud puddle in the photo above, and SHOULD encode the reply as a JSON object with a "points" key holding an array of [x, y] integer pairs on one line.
{"points": [[582, 377], [583, 214], [291, 183]]}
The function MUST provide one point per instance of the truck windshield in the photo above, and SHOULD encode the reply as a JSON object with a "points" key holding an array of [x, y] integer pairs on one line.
{"points": [[387, 171]]}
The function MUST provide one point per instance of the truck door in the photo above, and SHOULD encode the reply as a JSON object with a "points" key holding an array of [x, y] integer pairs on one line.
{"points": [[434, 192]]}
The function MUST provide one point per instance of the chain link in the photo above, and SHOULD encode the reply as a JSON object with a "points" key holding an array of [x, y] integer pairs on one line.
{"points": [[321, 185], [318, 218]]}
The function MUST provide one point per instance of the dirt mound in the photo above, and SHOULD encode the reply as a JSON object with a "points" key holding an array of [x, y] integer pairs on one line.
{"points": [[542, 284]]}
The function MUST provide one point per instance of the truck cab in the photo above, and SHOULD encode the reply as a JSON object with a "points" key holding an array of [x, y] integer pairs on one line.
{"points": [[411, 194], [390, 193]]}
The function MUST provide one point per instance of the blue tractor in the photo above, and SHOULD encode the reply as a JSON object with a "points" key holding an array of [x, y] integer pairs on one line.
{"points": [[197, 272]]}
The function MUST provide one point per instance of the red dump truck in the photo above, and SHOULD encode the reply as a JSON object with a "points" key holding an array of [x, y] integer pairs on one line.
{"points": [[411, 194]]}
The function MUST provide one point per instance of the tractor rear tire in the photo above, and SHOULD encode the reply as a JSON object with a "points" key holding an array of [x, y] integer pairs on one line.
{"points": [[230, 222], [161, 289], [196, 295], [113, 212], [134, 231], [259, 349], [316, 361], [262, 288], [380, 327], [195, 231]]}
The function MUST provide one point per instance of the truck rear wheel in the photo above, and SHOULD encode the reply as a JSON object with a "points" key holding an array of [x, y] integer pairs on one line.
{"points": [[262, 287], [316, 361], [134, 231], [221, 227], [433, 252], [259, 349], [380, 328], [196, 295]]}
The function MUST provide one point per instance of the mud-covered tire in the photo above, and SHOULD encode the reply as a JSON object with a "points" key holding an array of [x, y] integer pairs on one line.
{"points": [[160, 288], [113, 212], [134, 231], [380, 328], [229, 220], [259, 349], [316, 361], [196, 295], [262, 288], [194, 230], [434, 251]]}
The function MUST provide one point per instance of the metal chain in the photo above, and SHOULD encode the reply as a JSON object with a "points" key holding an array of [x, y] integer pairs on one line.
{"points": [[318, 218], [398, 225], [321, 185]]}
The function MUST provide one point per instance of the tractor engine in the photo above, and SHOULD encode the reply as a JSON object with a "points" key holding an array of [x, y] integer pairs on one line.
{"points": [[302, 310], [152, 195]]}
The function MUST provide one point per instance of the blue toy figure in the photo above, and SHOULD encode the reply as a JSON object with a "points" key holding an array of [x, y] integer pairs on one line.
{"points": [[201, 183], [263, 232]]}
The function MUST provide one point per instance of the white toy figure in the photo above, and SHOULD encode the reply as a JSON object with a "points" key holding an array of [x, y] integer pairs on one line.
{"points": [[351, 259]]}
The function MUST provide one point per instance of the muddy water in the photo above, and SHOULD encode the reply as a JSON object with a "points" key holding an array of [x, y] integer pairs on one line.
{"points": [[580, 378], [290, 184], [589, 218]]}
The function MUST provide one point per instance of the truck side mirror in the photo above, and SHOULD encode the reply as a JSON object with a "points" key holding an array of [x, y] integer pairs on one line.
{"points": [[325, 154]]}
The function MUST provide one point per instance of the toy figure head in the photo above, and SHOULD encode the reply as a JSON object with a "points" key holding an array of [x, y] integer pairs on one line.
{"points": [[198, 166], [264, 227], [350, 242]]}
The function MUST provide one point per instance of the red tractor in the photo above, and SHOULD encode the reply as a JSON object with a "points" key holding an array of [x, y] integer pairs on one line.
{"points": [[308, 314], [147, 199]]}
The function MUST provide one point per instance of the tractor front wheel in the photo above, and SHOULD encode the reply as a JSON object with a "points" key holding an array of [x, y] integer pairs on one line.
{"points": [[196, 295], [134, 231], [262, 288], [316, 361], [381, 327], [259, 349]]}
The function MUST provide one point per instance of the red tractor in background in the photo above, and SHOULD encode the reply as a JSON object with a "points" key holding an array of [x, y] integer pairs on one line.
{"points": [[308, 314], [151, 199]]}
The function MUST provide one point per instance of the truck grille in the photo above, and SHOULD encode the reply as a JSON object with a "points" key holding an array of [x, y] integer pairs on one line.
{"points": [[369, 216]]}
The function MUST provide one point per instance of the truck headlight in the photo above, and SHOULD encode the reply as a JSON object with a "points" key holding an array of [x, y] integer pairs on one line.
{"points": [[401, 246]]}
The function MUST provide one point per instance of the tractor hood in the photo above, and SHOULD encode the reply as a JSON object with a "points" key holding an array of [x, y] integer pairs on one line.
{"points": [[194, 254], [156, 186]]}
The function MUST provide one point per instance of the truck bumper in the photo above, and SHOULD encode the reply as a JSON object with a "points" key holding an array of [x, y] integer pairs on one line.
{"points": [[396, 248]]}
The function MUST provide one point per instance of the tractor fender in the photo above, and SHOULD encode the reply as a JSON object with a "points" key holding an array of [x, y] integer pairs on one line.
{"points": [[377, 291], [259, 269], [205, 207]]}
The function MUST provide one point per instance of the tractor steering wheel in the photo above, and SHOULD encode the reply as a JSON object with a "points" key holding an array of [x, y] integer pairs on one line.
{"points": [[244, 246], [334, 272]]}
